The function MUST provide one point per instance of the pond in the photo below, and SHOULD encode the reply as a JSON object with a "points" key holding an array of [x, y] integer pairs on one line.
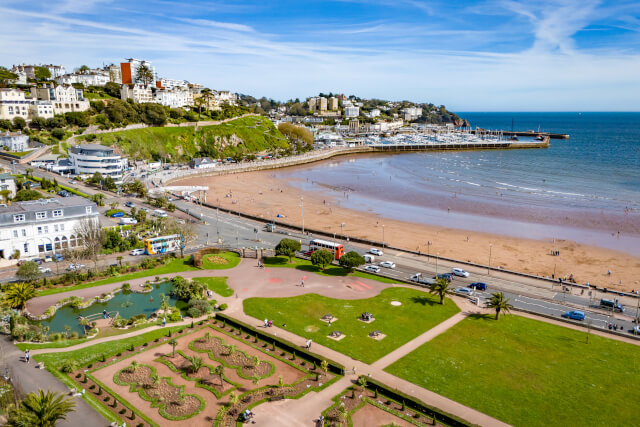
{"points": [[127, 304]]}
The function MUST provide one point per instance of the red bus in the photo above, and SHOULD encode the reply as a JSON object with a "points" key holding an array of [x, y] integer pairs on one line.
{"points": [[336, 248]]}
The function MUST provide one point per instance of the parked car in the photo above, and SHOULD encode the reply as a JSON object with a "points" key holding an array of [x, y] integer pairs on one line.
{"points": [[479, 286], [117, 215], [44, 270], [308, 253], [574, 314], [48, 258], [465, 291], [459, 272], [376, 251], [73, 267], [64, 193], [37, 261], [372, 268], [137, 252], [143, 209], [128, 220], [388, 264], [130, 205], [446, 276], [59, 258], [160, 213]]}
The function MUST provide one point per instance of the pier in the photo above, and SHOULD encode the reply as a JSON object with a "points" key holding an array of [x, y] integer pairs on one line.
{"points": [[529, 133]]}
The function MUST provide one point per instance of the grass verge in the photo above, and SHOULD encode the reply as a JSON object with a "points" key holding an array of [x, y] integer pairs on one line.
{"points": [[217, 261], [216, 284]]}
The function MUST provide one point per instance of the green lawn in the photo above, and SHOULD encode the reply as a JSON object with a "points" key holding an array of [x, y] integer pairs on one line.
{"points": [[332, 270], [216, 284], [530, 373], [93, 353], [232, 258], [418, 313], [173, 266]]}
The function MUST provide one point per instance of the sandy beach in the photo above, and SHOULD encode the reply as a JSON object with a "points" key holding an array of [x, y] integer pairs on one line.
{"points": [[264, 195]]}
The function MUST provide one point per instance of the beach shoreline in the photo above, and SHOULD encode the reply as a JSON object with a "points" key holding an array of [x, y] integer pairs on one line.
{"points": [[264, 195]]}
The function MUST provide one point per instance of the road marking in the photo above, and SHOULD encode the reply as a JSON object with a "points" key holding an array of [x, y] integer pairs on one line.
{"points": [[364, 284]]}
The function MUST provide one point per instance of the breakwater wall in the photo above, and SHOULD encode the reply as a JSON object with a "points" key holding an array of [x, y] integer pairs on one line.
{"points": [[325, 154]]}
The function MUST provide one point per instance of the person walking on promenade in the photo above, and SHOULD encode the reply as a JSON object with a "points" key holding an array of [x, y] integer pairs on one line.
{"points": [[27, 356], [309, 344]]}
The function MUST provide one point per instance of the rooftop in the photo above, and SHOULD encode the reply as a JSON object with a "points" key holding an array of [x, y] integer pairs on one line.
{"points": [[92, 147], [38, 205]]}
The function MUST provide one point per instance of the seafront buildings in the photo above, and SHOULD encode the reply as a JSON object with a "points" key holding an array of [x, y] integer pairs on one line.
{"points": [[89, 159]]}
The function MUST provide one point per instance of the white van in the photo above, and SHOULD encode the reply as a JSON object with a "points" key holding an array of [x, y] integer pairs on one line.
{"points": [[128, 220], [160, 213], [368, 258]]}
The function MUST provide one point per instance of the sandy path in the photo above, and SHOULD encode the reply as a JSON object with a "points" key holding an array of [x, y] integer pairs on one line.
{"points": [[260, 194]]}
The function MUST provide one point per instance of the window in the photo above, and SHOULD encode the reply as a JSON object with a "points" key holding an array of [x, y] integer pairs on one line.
{"points": [[55, 228], [57, 213], [24, 232], [39, 230], [61, 227], [46, 229], [15, 233], [41, 215], [88, 209], [26, 248], [19, 218]]}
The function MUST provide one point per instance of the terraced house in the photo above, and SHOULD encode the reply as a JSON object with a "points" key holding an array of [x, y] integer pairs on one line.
{"points": [[46, 226]]}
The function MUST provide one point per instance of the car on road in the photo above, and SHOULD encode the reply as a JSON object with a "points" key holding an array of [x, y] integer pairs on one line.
{"points": [[478, 286], [388, 264], [74, 267], [465, 291], [128, 220], [308, 253], [446, 276], [143, 209], [368, 258], [117, 214], [130, 205], [44, 270], [137, 252], [64, 193], [459, 272], [372, 268], [160, 213], [376, 251], [48, 258], [574, 315]]}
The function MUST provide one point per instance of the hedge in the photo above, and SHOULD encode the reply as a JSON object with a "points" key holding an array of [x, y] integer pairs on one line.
{"points": [[288, 346], [415, 404]]}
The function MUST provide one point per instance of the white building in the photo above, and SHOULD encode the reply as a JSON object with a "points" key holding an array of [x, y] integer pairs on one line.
{"points": [[14, 141], [226, 97], [88, 159], [411, 113], [350, 112], [374, 113], [129, 71], [174, 98], [43, 226], [164, 83], [203, 163], [138, 93], [65, 98], [14, 104], [94, 78], [30, 70], [8, 182]]}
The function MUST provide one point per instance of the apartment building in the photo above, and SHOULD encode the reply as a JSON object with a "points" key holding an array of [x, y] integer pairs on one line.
{"points": [[129, 70], [333, 103], [350, 112], [44, 226], [174, 98], [8, 182], [138, 93], [411, 113], [318, 104], [93, 78], [88, 159], [65, 98], [13, 103], [30, 70]]}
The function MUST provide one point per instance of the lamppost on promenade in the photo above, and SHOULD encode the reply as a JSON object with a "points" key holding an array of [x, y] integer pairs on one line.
{"points": [[342, 229], [428, 247], [382, 236], [437, 263], [302, 211], [489, 267]]}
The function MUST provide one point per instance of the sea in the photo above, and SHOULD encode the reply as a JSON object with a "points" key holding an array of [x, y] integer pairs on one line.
{"points": [[585, 188]]}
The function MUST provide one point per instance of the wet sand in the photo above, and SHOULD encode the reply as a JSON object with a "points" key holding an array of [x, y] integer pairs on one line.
{"points": [[264, 195]]}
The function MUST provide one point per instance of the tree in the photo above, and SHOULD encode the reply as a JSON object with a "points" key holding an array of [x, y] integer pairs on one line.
{"points": [[5, 194], [57, 133], [134, 366], [109, 183], [351, 260], [322, 258], [196, 363], [440, 288], [84, 322], [41, 410], [499, 303], [144, 75], [112, 89], [83, 69], [173, 343], [98, 199], [219, 370], [186, 290], [19, 123], [186, 229], [16, 295], [28, 271], [26, 194], [92, 236], [42, 73], [288, 248]]}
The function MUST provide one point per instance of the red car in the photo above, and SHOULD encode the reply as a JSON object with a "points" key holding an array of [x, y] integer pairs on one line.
{"points": [[307, 253]]}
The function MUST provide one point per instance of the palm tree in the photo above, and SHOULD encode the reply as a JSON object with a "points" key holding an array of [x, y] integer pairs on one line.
{"points": [[144, 75], [41, 410], [84, 322], [155, 380], [233, 398], [164, 304], [173, 343], [255, 378], [134, 366], [219, 370], [196, 363], [207, 95], [17, 295], [343, 414], [499, 303], [440, 288]]}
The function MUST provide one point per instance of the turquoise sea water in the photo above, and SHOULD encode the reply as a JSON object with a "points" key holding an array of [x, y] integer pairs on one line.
{"points": [[586, 188]]}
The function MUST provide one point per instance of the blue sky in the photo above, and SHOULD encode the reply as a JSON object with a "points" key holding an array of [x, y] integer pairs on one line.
{"points": [[494, 55]]}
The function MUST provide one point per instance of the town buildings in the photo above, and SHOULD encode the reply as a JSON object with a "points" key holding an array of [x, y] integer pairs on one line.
{"points": [[92, 78], [333, 103], [174, 98], [202, 163], [8, 183], [30, 70], [65, 98], [43, 226], [129, 71], [411, 113], [138, 93], [91, 158], [14, 141], [13, 103], [350, 112]]}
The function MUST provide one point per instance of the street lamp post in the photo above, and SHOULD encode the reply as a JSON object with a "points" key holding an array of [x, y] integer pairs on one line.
{"points": [[302, 211], [342, 229], [217, 223], [382, 236], [437, 263], [428, 247], [489, 267]]}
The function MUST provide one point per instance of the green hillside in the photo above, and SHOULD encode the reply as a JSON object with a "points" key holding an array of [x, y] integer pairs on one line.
{"points": [[246, 135]]}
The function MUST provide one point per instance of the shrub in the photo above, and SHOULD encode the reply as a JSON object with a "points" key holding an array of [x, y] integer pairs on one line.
{"points": [[118, 354], [126, 287], [223, 307], [68, 366]]}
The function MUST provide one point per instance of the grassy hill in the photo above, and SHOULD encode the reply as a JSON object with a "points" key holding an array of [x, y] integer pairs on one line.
{"points": [[241, 136]]}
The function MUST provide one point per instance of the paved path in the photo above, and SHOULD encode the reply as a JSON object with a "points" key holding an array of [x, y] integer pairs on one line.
{"points": [[28, 378]]}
